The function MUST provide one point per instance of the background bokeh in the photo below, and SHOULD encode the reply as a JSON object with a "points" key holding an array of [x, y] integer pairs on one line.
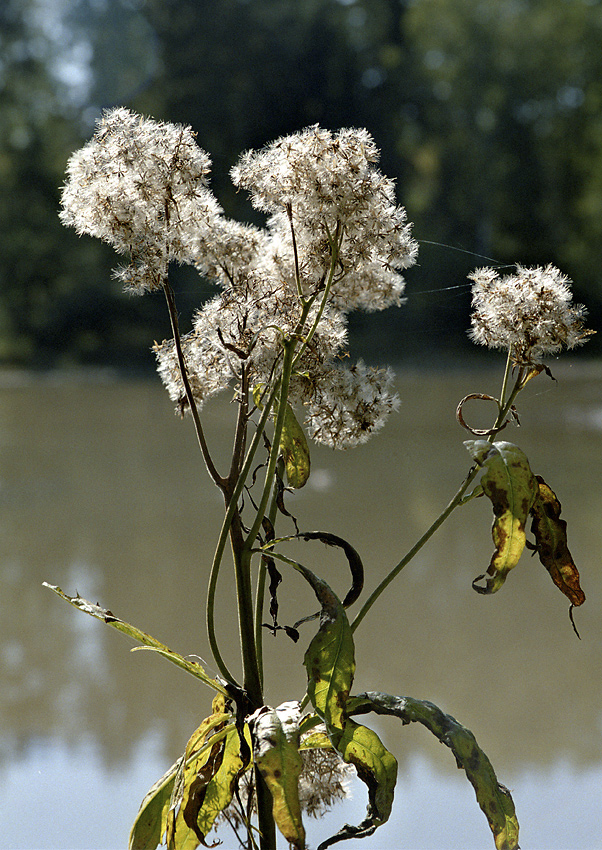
{"points": [[488, 115]]}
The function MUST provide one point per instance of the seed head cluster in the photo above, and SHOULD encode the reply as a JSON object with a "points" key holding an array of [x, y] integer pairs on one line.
{"points": [[140, 185], [529, 313], [335, 240]]}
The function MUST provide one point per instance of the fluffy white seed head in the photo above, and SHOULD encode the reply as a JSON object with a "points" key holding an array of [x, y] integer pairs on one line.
{"points": [[529, 313], [140, 185]]}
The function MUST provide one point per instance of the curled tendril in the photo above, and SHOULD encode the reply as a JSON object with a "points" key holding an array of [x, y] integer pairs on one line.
{"points": [[484, 432]]}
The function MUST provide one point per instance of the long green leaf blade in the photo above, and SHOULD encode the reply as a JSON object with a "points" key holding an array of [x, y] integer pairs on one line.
{"points": [[147, 640], [493, 798]]}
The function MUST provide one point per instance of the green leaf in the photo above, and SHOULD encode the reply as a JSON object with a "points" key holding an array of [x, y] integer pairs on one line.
{"points": [[493, 798], [275, 735], [511, 486], [295, 451], [151, 820], [377, 768], [330, 659], [142, 637], [551, 543]]}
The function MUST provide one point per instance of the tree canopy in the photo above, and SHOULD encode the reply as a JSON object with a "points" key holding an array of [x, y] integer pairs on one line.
{"points": [[487, 114]]}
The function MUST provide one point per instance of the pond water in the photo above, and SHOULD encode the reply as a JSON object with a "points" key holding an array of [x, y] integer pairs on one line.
{"points": [[103, 492]]}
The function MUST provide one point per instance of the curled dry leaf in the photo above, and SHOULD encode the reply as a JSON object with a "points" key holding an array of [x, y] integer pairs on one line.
{"points": [[510, 485], [551, 543]]}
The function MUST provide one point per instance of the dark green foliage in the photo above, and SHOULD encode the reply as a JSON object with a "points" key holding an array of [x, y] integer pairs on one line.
{"points": [[489, 121]]}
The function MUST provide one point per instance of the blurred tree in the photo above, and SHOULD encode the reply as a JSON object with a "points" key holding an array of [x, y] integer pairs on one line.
{"points": [[486, 112], [509, 158]]}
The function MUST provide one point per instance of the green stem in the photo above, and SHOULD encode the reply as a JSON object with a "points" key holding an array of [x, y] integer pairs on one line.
{"points": [[173, 317], [457, 500], [231, 510], [261, 577], [284, 383]]}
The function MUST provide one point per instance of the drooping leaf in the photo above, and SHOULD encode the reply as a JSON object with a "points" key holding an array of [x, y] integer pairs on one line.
{"points": [[551, 543], [377, 768], [275, 735], [330, 658], [219, 791], [149, 826], [147, 640], [511, 486], [295, 451], [355, 562], [201, 760], [493, 798]]}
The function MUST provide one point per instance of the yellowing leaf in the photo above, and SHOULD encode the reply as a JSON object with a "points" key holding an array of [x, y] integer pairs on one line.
{"points": [[551, 543], [511, 486], [219, 790], [295, 451], [201, 760], [377, 768], [493, 798], [151, 820], [293, 444], [275, 735]]}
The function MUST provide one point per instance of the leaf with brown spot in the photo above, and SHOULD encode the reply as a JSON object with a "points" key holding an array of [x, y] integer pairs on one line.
{"points": [[493, 798], [551, 543], [275, 736], [511, 487]]}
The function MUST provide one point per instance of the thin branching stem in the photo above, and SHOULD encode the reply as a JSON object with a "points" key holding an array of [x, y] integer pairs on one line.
{"points": [[173, 316], [458, 499], [231, 510]]}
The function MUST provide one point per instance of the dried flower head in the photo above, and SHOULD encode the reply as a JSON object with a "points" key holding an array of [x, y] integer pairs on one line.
{"points": [[326, 187], [528, 313], [335, 241], [350, 404], [140, 185]]}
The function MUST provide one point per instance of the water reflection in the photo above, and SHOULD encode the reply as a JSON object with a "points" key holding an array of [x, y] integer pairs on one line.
{"points": [[102, 491]]}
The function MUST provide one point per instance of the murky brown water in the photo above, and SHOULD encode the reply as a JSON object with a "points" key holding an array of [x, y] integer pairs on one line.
{"points": [[103, 492]]}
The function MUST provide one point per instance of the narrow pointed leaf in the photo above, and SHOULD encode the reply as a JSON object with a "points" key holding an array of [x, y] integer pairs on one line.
{"points": [[149, 826], [493, 798], [551, 543], [510, 485], [275, 735], [147, 640]]}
